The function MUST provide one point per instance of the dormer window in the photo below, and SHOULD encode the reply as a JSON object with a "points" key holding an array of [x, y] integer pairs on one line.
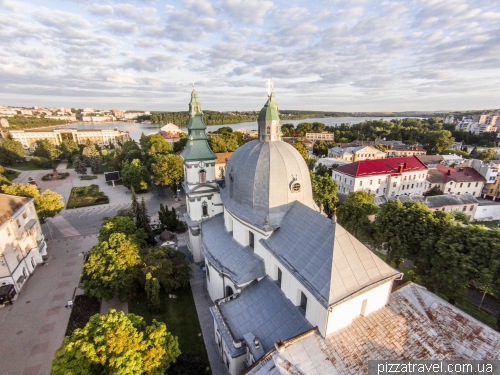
{"points": [[203, 176]]}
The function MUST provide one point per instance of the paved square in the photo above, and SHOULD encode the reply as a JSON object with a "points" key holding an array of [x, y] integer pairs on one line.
{"points": [[66, 273], [39, 348], [53, 311], [59, 296], [33, 370], [47, 328]]}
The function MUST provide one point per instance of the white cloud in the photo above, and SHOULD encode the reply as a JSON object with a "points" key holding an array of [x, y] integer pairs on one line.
{"points": [[122, 27], [247, 11]]}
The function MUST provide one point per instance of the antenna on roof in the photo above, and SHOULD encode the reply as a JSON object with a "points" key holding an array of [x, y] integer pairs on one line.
{"points": [[192, 79]]}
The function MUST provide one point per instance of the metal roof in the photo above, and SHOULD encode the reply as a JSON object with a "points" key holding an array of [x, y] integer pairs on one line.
{"points": [[9, 204], [385, 166]]}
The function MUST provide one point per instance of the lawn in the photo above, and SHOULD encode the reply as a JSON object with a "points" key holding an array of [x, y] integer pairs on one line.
{"points": [[29, 166], [86, 196], [179, 314], [11, 175], [88, 177]]}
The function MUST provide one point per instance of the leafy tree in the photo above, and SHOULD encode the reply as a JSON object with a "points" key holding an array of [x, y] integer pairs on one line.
{"points": [[79, 166], [287, 129], [134, 205], [11, 151], [438, 140], [304, 127], [47, 150], [181, 143], [299, 146], [125, 212], [117, 343], [96, 164], [89, 151], [69, 149], [167, 170], [353, 214], [143, 217], [3, 181], [153, 292], [169, 266], [434, 191], [135, 175], [47, 204], [318, 127], [487, 154], [324, 190], [169, 219], [323, 170], [227, 142], [110, 269], [457, 152], [156, 146], [122, 224], [42, 162]]}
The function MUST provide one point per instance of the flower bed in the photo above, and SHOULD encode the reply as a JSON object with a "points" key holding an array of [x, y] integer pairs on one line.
{"points": [[50, 176], [84, 196]]}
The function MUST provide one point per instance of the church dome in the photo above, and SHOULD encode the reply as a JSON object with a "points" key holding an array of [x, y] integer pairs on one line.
{"points": [[263, 178]]}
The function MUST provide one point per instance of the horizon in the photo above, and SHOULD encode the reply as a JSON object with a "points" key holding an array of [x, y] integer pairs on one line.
{"points": [[353, 56]]}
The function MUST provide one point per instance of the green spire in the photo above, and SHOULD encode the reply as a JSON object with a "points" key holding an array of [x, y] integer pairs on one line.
{"points": [[197, 147], [269, 121], [194, 104]]}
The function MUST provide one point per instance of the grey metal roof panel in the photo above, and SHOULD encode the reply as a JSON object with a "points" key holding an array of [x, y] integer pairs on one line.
{"points": [[324, 257], [272, 316], [239, 262], [234, 352]]}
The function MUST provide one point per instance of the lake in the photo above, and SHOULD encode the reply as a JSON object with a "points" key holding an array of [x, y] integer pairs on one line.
{"points": [[135, 129]]}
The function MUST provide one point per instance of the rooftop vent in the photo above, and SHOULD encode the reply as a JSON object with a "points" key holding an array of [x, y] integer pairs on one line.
{"points": [[256, 342]]}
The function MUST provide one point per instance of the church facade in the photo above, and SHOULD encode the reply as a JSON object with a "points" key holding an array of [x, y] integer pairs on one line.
{"points": [[275, 266]]}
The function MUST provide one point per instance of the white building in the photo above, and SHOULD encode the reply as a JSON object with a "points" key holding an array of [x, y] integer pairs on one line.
{"points": [[22, 244], [456, 180], [469, 125], [384, 177], [171, 128], [323, 136]]}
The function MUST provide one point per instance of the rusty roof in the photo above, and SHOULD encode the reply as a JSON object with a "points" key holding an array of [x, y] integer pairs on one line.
{"points": [[9, 204], [222, 157]]}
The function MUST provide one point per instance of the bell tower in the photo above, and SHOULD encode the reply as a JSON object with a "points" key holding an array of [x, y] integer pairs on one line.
{"points": [[202, 192]]}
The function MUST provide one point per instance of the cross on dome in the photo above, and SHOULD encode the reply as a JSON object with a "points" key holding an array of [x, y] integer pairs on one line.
{"points": [[270, 87]]}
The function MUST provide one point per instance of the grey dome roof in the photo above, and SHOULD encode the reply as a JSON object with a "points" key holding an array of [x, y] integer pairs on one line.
{"points": [[263, 179]]}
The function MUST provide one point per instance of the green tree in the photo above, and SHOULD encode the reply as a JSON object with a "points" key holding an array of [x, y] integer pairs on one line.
{"points": [[354, 214], [434, 191], [89, 152], [79, 166], [47, 204], [324, 191], [134, 205], [135, 175], [69, 149], [125, 225], [169, 266], [45, 149], [299, 146], [96, 164], [487, 154], [156, 146], [438, 140], [153, 292], [318, 127], [117, 343], [323, 170], [304, 127], [287, 129], [111, 268], [11, 152], [143, 217], [167, 170]]}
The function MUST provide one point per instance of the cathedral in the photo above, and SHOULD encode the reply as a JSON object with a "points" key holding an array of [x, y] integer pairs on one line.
{"points": [[293, 291]]}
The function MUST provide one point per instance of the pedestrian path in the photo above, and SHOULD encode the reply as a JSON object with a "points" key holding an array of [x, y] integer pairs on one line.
{"points": [[203, 303]]}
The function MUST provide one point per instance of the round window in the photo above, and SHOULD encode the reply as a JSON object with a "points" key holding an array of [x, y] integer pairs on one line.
{"points": [[295, 187]]}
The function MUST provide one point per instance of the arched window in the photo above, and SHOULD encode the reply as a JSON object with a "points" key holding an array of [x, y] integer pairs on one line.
{"points": [[208, 271], [204, 208], [203, 176], [268, 130], [229, 291]]}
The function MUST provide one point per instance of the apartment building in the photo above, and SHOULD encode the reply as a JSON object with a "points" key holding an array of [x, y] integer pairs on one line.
{"points": [[22, 244], [456, 180], [388, 177], [353, 154], [323, 136]]}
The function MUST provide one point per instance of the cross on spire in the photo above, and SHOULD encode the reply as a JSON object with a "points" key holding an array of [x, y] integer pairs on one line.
{"points": [[192, 78], [270, 87]]}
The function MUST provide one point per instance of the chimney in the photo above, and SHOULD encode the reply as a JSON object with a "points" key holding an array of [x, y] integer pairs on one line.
{"points": [[400, 168], [449, 172], [405, 165]]}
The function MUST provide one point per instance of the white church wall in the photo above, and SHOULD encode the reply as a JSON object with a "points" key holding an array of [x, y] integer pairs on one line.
{"points": [[363, 304], [233, 365], [215, 284], [228, 221], [195, 248]]}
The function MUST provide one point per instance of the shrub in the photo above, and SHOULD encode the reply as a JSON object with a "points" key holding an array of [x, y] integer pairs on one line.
{"points": [[41, 162]]}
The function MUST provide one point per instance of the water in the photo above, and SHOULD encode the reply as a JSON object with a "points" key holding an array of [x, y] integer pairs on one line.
{"points": [[135, 129]]}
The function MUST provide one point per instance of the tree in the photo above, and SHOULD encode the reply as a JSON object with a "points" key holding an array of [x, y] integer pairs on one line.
{"points": [[304, 127], [122, 224], [11, 151], [156, 146], [438, 140], [143, 217], [79, 166], [135, 175], [45, 149], [167, 170], [287, 129], [324, 190], [153, 292], [69, 149], [89, 151], [299, 146], [434, 191], [47, 204], [169, 219], [486, 154], [353, 214], [169, 266], [323, 170], [115, 343], [318, 127], [96, 164], [110, 269], [134, 205]]}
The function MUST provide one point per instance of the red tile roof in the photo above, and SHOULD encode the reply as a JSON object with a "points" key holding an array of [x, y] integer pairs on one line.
{"points": [[168, 135], [459, 174], [222, 157], [382, 166]]}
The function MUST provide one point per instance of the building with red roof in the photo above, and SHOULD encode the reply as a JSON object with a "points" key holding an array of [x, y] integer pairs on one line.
{"points": [[456, 180], [383, 177], [170, 137]]}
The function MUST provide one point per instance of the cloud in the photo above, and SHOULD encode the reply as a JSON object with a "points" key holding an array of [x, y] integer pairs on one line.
{"points": [[121, 27], [101, 10], [247, 11], [131, 12]]}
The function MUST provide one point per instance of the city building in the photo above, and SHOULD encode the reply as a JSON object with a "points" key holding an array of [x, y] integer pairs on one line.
{"points": [[465, 203], [431, 160], [392, 148], [383, 177], [171, 138], [353, 154], [171, 128], [489, 170], [475, 127], [103, 137], [456, 180], [22, 244], [220, 163], [323, 136], [488, 210]]}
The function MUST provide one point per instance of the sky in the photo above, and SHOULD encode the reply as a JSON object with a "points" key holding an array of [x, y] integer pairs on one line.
{"points": [[329, 55]]}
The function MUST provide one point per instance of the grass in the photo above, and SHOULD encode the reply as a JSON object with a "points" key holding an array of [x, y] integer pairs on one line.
{"points": [[88, 177], [179, 314], [84, 196], [29, 166], [493, 224], [11, 175]]}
